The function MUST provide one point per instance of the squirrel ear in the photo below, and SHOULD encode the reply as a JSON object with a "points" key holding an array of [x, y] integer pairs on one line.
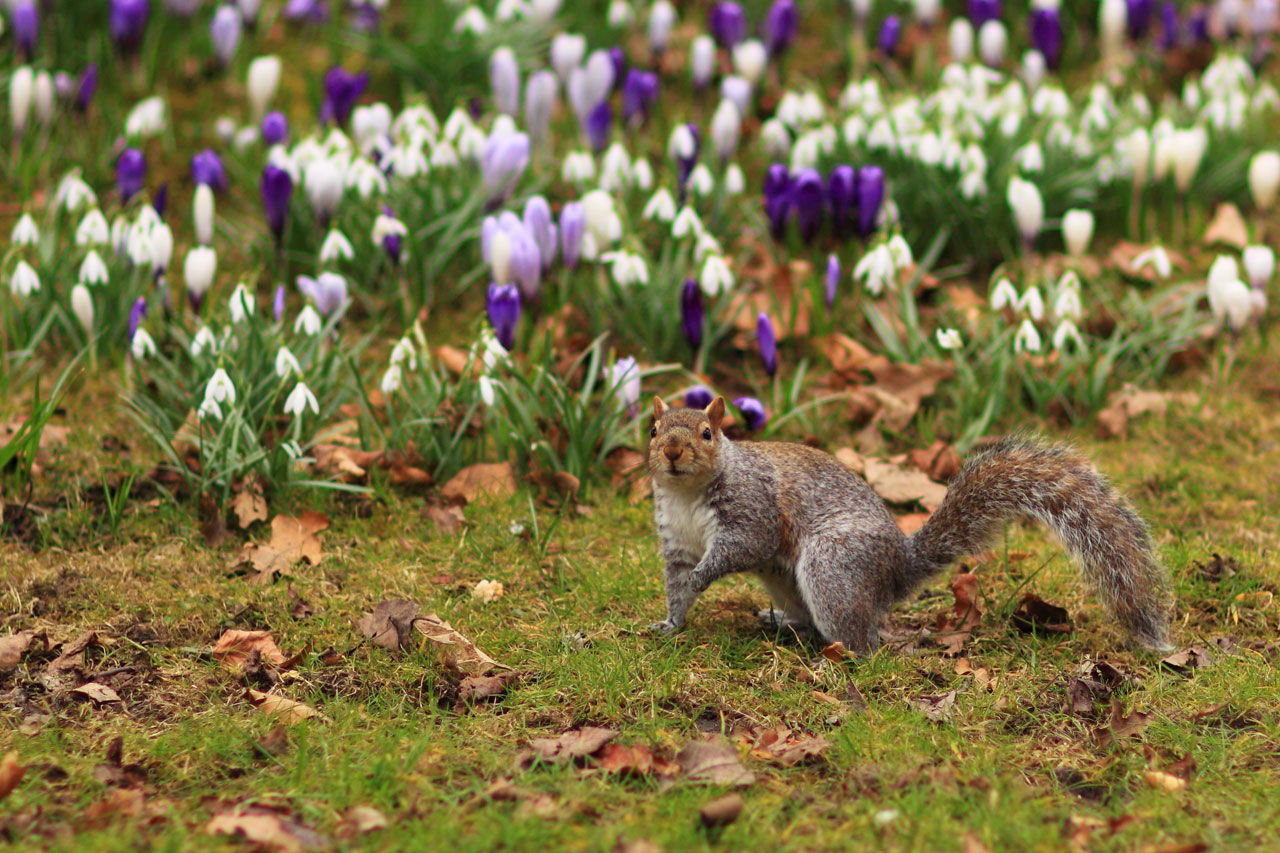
{"points": [[715, 413], [659, 407]]}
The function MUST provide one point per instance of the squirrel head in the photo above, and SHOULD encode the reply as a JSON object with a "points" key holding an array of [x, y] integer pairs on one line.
{"points": [[684, 444]]}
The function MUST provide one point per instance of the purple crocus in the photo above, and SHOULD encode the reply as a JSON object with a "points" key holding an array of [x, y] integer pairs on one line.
{"points": [[1170, 30], [503, 304], [526, 263], [768, 343], [1139, 16], [275, 128], [599, 120], [313, 11], [777, 199], [841, 189], [687, 154], [832, 281], [277, 187], [639, 95], [890, 35], [131, 171], [808, 200], [981, 11], [206, 168], [1198, 24], [780, 26], [692, 313], [87, 86], [503, 161], [727, 23], [26, 26], [698, 397], [619, 61], [128, 22], [327, 290], [137, 314], [224, 33], [752, 411], [573, 223], [538, 222], [277, 303], [870, 196], [161, 201], [1046, 34], [341, 91]]}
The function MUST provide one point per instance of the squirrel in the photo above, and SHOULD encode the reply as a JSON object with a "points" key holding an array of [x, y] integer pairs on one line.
{"points": [[828, 551]]}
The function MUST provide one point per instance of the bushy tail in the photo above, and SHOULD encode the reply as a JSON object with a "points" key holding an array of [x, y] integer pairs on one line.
{"points": [[1018, 479]]}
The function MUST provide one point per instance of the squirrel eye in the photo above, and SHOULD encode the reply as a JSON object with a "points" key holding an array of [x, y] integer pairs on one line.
{"points": [[706, 435], [653, 432]]}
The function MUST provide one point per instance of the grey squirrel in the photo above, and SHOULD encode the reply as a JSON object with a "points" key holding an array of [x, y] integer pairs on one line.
{"points": [[828, 551]]}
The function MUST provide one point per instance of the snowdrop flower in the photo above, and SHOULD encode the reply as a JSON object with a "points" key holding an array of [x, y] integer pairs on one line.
{"points": [[1028, 208], [735, 183], [641, 174], [1067, 331], [487, 393], [1005, 295], [949, 339], [1032, 303], [1027, 338], [900, 251], [25, 232], [700, 180], [367, 178], [473, 21], [1157, 258], [198, 270], [220, 388], [392, 380], [1030, 158], [625, 379], [686, 222], [578, 168], [24, 280], [1067, 304], [82, 307], [403, 353], [603, 225], [286, 363], [715, 277], [660, 206], [243, 304], [775, 138], [1264, 178], [264, 79], [973, 185], [92, 269], [627, 268], [1259, 265], [161, 250], [876, 269], [620, 14], [1230, 301], [615, 169], [73, 192], [706, 245], [146, 119], [309, 322], [323, 180], [209, 409], [142, 345], [299, 400], [92, 230], [336, 247], [204, 339], [1077, 231]]}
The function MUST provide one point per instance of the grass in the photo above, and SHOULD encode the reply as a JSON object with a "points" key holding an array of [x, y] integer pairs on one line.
{"points": [[1009, 769]]}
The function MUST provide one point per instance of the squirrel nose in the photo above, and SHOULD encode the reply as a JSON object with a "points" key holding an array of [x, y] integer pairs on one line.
{"points": [[672, 452]]}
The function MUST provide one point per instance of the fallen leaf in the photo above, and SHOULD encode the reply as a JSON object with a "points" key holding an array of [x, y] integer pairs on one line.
{"points": [[898, 485], [576, 743], [973, 844], [11, 772], [1035, 615], [234, 648], [940, 461], [268, 829], [1130, 402], [1227, 227], [248, 504], [273, 743], [13, 647], [910, 522], [1082, 692], [847, 355], [1122, 725], [852, 459], [364, 819], [788, 748], [99, 693], [497, 479], [636, 760], [288, 710], [1162, 781], [477, 688], [1184, 661], [456, 651], [390, 623], [937, 707], [447, 518], [714, 762], [120, 802], [72, 654], [954, 630], [835, 652], [292, 540], [1217, 568], [721, 812]]}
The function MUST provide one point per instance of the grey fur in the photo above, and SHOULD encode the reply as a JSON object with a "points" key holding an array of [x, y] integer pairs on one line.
{"points": [[828, 551]]}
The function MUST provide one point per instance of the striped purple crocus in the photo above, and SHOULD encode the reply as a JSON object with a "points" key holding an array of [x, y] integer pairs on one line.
{"points": [[777, 199], [503, 306], [131, 171], [277, 187], [206, 168], [870, 198], [768, 343], [692, 313], [809, 201], [127, 22]]}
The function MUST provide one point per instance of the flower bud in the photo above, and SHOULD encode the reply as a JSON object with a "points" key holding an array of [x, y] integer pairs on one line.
{"points": [[264, 79], [702, 61], [960, 40], [1077, 231], [202, 214], [21, 95], [692, 314], [662, 17], [198, 270], [224, 33], [726, 124], [82, 307], [504, 79], [993, 39], [1264, 178]]}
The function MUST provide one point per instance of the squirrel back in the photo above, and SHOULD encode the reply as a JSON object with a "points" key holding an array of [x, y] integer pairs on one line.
{"points": [[829, 552]]}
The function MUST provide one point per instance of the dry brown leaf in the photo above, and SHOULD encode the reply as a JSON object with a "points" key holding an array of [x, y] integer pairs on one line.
{"points": [[635, 760], [721, 812], [497, 479], [1122, 725], [714, 762], [937, 707], [940, 461], [477, 688], [902, 486], [288, 710], [788, 748], [363, 819], [956, 628], [11, 773], [72, 654], [847, 355], [576, 743], [908, 382], [454, 359], [13, 647], [292, 539], [1184, 661], [456, 651], [1227, 227], [234, 648], [248, 504], [1035, 615], [1130, 402], [835, 652], [119, 803], [851, 459], [99, 693], [1162, 781], [268, 829], [910, 522], [390, 623]]}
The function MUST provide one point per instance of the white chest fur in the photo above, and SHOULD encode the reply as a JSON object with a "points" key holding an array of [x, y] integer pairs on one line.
{"points": [[685, 523]]}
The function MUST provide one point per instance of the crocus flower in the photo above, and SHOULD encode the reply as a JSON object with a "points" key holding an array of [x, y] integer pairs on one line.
{"points": [[691, 313], [639, 95], [597, 126], [128, 22], [275, 128], [1264, 178], [702, 61], [890, 35], [618, 60], [206, 168], [198, 270], [26, 26], [341, 91], [685, 145], [1046, 34], [277, 187], [662, 17], [841, 197], [1028, 208], [698, 397], [137, 314], [777, 199], [224, 33], [526, 263], [86, 86], [263, 80], [328, 291], [1139, 16], [131, 171], [324, 183], [573, 223], [539, 101], [503, 161], [808, 199], [625, 379], [566, 52], [1259, 265], [277, 303], [389, 233], [1170, 29], [981, 11], [780, 26], [727, 23], [1198, 24], [870, 192], [1077, 231], [832, 280], [752, 412], [82, 307], [537, 221], [503, 304], [768, 343], [726, 126], [504, 79]]}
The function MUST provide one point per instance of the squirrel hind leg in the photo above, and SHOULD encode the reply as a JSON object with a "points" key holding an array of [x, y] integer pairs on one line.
{"points": [[840, 597]]}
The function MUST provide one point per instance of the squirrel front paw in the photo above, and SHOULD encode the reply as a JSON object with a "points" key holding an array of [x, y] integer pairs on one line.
{"points": [[666, 627]]}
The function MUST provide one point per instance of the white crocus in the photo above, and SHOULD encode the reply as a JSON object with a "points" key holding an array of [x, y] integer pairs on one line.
{"points": [[661, 206], [1264, 178], [243, 305], [264, 79], [92, 269], [146, 119], [1077, 231], [24, 280], [299, 400], [25, 232], [1113, 18], [142, 345], [949, 339], [735, 183], [324, 183], [726, 125], [286, 363], [715, 277], [1189, 148], [993, 41], [1136, 147], [487, 392], [309, 322], [960, 40], [1027, 339], [1259, 265], [1005, 295], [1028, 208], [749, 60], [335, 247], [202, 214], [198, 270], [1230, 301], [82, 307]]}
